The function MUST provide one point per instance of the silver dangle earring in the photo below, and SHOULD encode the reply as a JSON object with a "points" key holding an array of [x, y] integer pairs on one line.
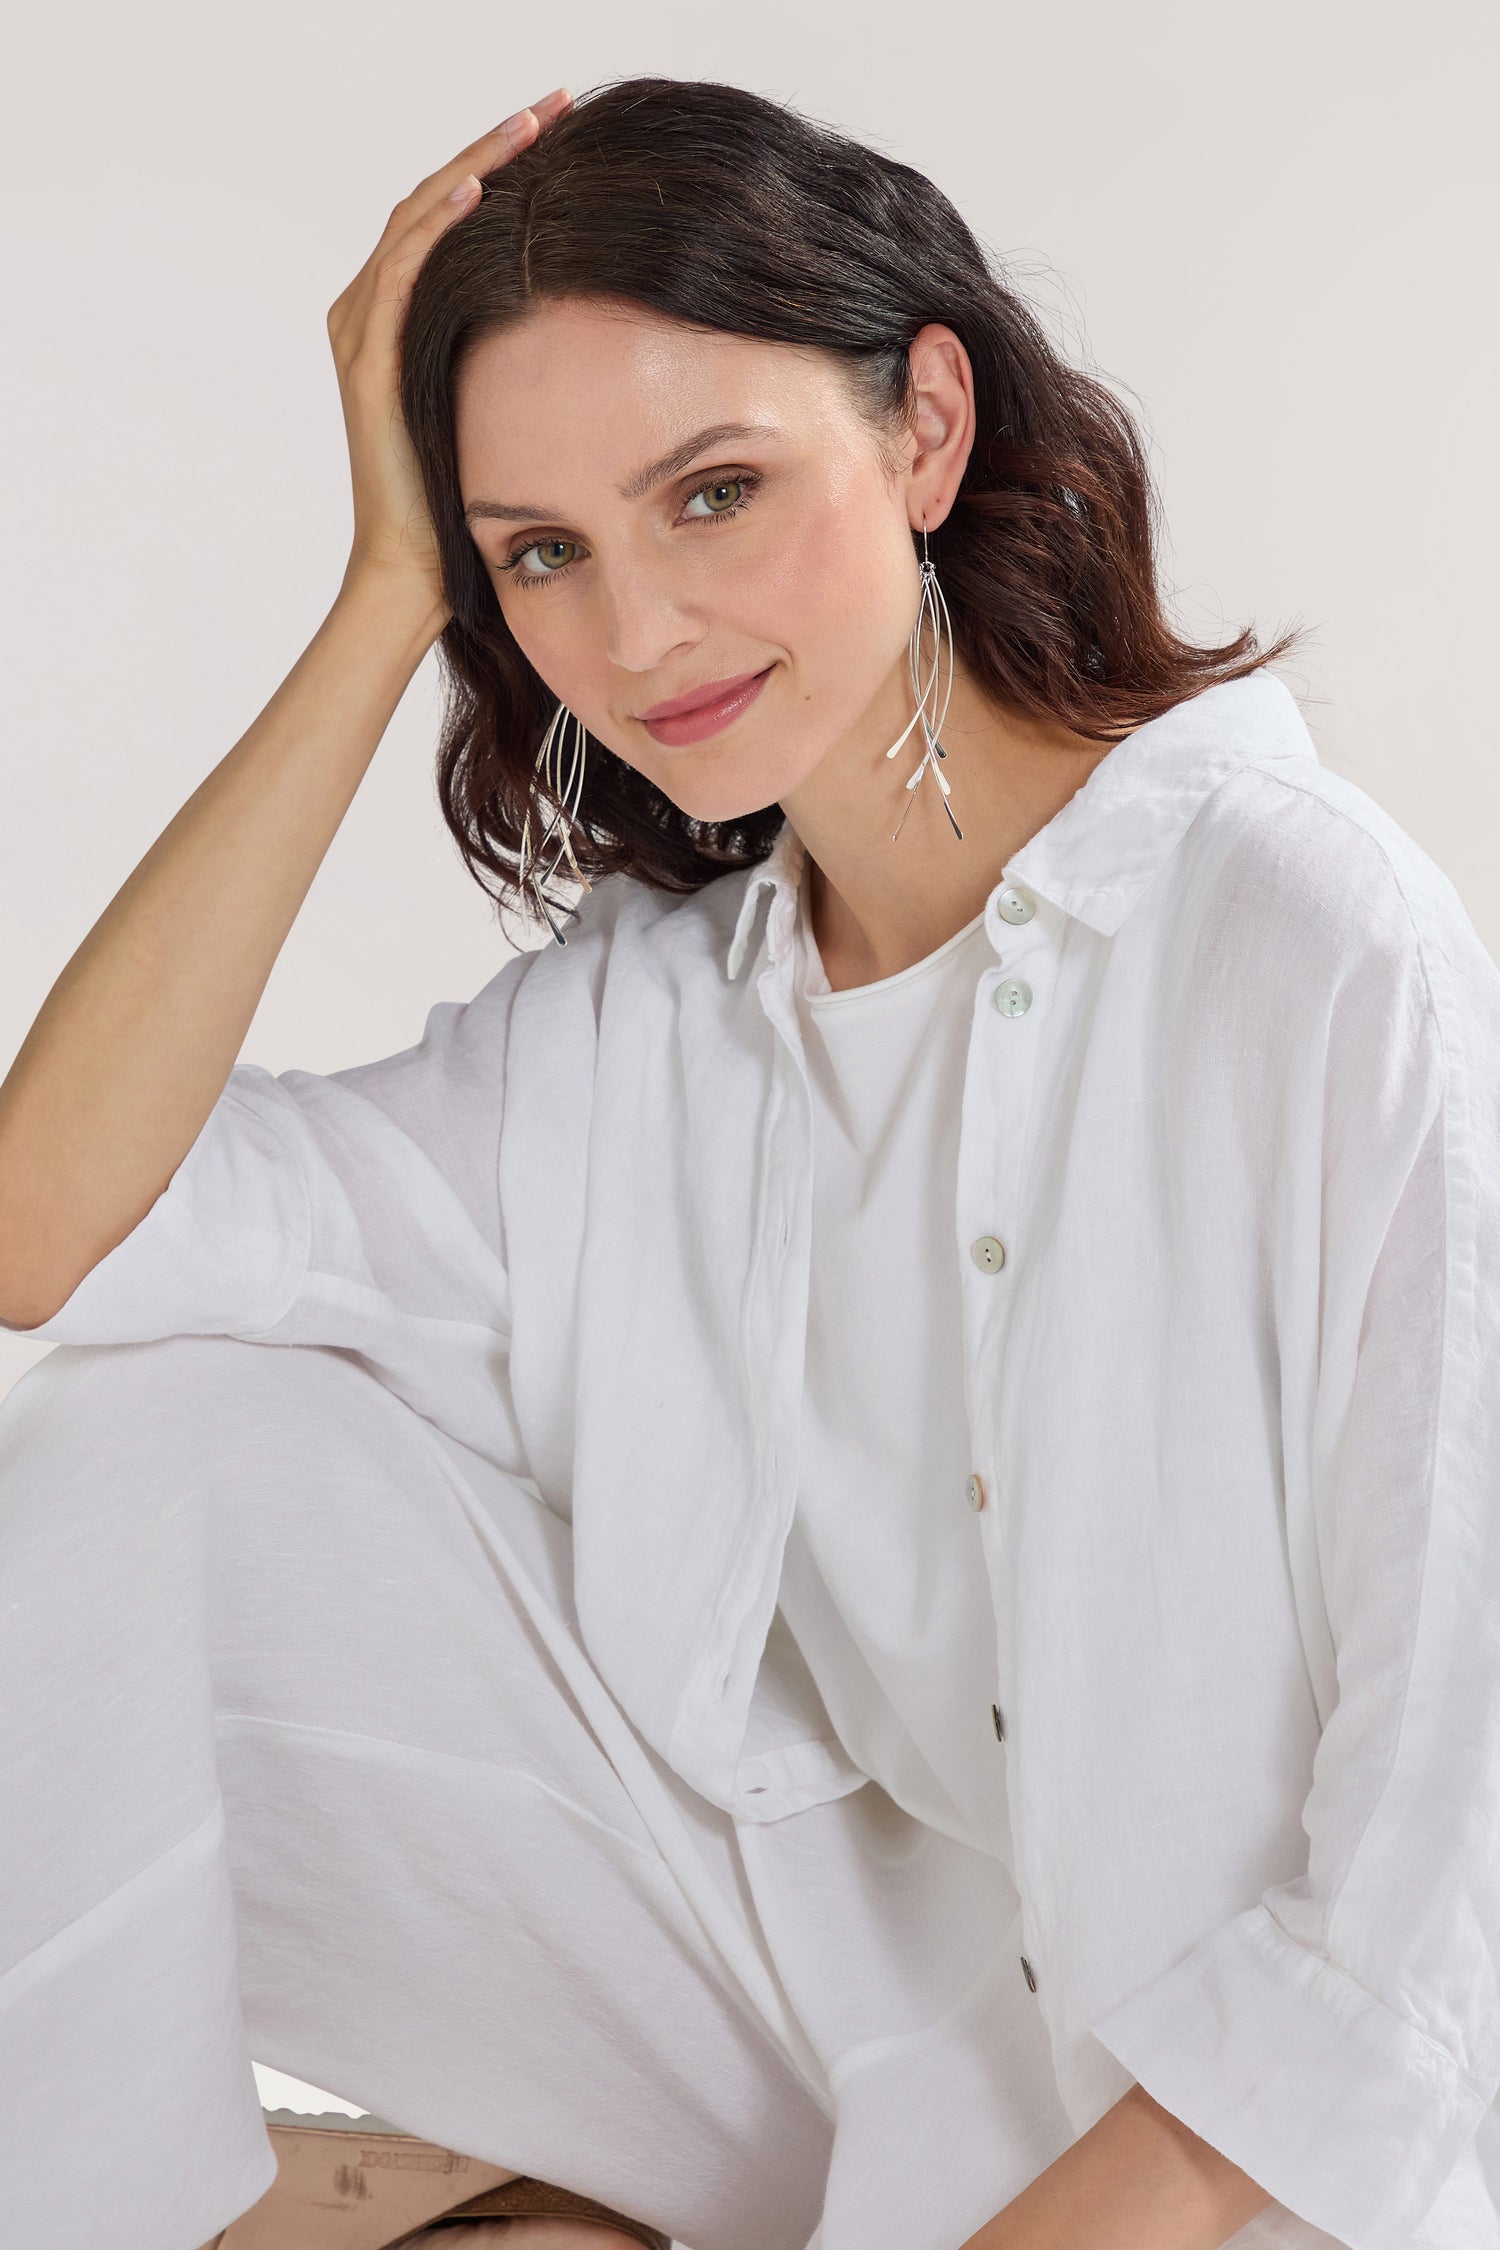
{"points": [[562, 813], [932, 686]]}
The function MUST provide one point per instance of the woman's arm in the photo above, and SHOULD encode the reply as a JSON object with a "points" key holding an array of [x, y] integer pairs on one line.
{"points": [[1138, 2179], [135, 1042]]}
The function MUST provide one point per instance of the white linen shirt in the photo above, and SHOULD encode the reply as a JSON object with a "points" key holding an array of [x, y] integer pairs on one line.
{"points": [[1231, 1341]]}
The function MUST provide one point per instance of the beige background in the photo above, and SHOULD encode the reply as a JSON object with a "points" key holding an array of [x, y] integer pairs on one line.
{"points": [[1275, 229]]}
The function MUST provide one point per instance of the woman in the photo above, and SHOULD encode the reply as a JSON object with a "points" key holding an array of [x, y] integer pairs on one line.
{"points": [[827, 1571]]}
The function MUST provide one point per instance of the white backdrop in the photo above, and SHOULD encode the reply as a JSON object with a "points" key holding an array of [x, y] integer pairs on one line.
{"points": [[1274, 229]]}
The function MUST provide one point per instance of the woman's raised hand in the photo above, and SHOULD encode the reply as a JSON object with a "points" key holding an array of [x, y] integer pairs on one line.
{"points": [[136, 1040], [392, 530]]}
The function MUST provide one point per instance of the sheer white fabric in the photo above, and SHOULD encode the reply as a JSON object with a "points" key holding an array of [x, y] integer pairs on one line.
{"points": [[1233, 1394]]}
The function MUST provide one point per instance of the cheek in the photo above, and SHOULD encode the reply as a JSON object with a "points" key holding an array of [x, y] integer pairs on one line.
{"points": [[551, 630], [840, 585], [848, 600]]}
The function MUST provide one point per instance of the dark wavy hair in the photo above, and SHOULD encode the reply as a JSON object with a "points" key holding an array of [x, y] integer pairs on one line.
{"points": [[722, 210]]}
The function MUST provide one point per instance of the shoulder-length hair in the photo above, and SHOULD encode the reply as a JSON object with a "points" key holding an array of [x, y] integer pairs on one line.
{"points": [[722, 210]]}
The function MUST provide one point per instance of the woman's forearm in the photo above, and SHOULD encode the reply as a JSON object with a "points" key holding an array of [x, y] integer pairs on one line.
{"points": [[1138, 2179], [137, 1037]]}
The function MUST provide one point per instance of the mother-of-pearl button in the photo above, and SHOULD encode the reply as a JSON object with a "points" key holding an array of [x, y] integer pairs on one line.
{"points": [[1012, 904], [987, 1253], [1013, 997]]}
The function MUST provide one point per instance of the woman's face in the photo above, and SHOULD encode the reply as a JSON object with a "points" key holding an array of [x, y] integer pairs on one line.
{"points": [[672, 516]]}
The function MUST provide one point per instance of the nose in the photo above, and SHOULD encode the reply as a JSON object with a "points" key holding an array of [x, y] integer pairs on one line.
{"points": [[646, 620]]}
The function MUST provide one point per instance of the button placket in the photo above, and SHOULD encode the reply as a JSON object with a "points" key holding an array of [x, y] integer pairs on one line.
{"points": [[997, 1112], [1010, 997], [999, 1078], [998, 1105]]}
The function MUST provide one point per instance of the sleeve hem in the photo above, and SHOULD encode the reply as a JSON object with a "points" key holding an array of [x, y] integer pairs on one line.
{"points": [[205, 1258], [302, 1246], [1342, 2111]]}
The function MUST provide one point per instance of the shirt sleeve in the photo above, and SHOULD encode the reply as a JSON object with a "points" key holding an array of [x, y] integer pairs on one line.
{"points": [[1340, 2039], [358, 1210]]}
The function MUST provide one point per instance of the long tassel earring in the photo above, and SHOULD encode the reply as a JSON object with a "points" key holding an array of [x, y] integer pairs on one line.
{"points": [[564, 795], [932, 686]]}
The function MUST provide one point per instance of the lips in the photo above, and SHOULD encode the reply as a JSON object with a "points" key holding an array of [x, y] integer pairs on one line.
{"points": [[703, 711]]}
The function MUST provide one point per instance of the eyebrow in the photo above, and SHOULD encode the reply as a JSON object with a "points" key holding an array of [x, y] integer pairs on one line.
{"points": [[643, 481]]}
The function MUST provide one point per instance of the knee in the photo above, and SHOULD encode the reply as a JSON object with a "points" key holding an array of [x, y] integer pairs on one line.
{"points": [[88, 1394], [91, 1416], [125, 1455]]}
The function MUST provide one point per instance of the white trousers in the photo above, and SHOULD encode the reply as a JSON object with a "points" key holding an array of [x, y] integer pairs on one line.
{"points": [[301, 1758]]}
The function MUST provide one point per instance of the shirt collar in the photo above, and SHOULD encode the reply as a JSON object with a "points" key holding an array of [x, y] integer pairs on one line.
{"points": [[1096, 855], [780, 874]]}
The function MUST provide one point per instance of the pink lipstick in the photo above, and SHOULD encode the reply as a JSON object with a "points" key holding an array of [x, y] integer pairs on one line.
{"points": [[703, 711]]}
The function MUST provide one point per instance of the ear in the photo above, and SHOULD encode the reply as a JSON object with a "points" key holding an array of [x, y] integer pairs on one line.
{"points": [[943, 423]]}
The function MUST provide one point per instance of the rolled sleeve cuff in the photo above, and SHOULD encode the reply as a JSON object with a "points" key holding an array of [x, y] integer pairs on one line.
{"points": [[1340, 2109], [223, 1249]]}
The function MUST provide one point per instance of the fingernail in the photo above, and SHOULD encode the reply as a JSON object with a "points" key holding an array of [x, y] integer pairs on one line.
{"points": [[512, 125], [464, 189]]}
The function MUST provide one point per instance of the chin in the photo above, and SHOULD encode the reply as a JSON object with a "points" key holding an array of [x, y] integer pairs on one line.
{"points": [[718, 805], [713, 783]]}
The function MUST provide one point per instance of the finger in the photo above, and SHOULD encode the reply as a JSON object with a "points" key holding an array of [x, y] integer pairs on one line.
{"points": [[514, 134], [552, 106], [420, 217], [487, 154], [501, 142]]}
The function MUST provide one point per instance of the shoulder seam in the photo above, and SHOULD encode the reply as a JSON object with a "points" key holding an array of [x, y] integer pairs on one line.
{"points": [[1338, 812]]}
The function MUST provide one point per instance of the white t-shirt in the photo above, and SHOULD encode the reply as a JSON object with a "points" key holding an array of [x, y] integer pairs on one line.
{"points": [[884, 1586]]}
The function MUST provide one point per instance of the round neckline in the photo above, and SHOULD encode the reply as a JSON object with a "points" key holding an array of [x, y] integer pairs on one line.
{"points": [[880, 985]]}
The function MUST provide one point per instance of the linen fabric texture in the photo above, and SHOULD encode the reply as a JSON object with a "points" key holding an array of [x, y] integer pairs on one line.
{"points": [[311, 1766], [1232, 1394]]}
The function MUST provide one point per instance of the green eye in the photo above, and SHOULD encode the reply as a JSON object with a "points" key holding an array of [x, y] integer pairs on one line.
{"points": [[719, 498], [549, 554]]}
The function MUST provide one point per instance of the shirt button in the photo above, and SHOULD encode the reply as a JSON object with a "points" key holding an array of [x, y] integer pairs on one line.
{"points": [[1026, 1971], [974, 1493], [987, 1253], [1012, 904], [999, 1722], [1013, 997]]}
